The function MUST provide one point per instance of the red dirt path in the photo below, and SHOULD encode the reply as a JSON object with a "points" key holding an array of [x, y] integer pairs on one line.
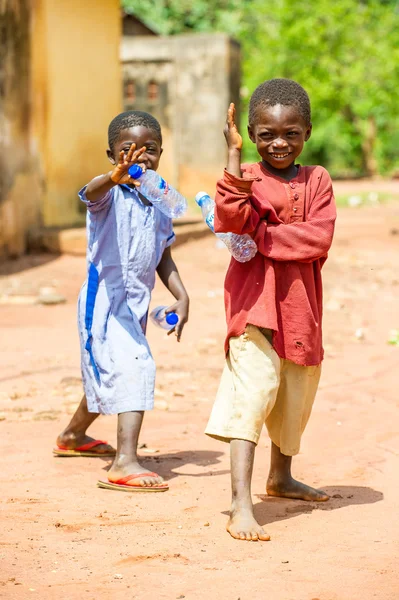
{"points": [[62, 538]]}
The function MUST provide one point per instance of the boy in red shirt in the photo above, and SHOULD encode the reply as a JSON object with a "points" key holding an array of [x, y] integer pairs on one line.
{"points": [[274, 302]]}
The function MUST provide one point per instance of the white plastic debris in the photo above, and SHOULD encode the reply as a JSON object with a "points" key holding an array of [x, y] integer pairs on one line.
{"points": [[359, 333], [354, 201]]}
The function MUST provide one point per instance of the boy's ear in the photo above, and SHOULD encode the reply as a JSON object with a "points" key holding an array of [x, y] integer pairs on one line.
{"points": [[160, 152], [308, 132], [111, 157], [251, 134]]}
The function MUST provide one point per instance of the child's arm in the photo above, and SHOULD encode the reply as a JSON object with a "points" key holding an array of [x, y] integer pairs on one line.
{"points": [[170, 277], [303, 241], [100, 186], [233, 212], [234, 143]]}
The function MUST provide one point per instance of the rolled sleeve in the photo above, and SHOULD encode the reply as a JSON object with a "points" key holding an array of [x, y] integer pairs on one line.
{"points": [[234, 212], [171, 239], [94, 207], [167, 231], [165, 235]]}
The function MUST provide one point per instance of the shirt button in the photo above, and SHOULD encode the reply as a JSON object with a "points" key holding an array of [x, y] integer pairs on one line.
{"points": [[296, 196], [292, 185], [295, 209]]}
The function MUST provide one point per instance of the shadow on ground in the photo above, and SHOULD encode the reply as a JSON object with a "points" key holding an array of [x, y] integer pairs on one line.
{"points": [[272, 509], [24, 263], [166, 464]]}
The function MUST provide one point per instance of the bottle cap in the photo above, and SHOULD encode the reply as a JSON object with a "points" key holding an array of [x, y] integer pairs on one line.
{"points": [[200, 197], [172, 318], [135, 171]]}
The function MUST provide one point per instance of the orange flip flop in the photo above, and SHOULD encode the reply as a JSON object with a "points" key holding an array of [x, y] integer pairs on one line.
{"points": [[120, 484], [85, 450]]}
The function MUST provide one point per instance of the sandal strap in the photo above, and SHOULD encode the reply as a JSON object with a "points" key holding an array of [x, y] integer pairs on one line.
{"points": [[128, 478], [85, 447]]}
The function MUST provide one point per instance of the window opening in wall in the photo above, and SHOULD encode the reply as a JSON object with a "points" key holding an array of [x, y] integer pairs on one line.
{"points": [[130, 92], [153, 91]]}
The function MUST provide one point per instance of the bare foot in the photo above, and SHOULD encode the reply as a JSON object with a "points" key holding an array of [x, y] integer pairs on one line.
{"points": [[72, 441], [121, 469], [243, 526], [290, 488]]}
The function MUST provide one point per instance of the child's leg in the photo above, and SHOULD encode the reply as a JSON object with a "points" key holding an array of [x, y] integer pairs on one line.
{"points": [[281, 483], [242, 524], [246, 396], [286, 423], [126, 460], [74, 435]]}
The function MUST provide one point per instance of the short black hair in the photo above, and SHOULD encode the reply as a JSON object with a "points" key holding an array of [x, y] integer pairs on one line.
{"points": [[132, 118], [280, 91]]}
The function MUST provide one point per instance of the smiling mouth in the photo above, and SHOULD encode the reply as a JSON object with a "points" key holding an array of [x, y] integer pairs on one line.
{"points": [[280, 156]]}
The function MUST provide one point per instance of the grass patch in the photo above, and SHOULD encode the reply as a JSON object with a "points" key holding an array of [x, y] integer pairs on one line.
{"points": [[364, 199]]}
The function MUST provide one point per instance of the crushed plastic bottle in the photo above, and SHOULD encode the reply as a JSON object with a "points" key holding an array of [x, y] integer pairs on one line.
{"points": [[159, 192], [241, 247], [163, 320]]}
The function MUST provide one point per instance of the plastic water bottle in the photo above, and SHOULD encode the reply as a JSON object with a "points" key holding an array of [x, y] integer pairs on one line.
{"points": [[159, 192], [161, 319], [241, 247]]}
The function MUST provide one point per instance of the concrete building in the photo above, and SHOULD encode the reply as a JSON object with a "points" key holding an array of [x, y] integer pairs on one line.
{"points": [[60, 84], [187, 82]]}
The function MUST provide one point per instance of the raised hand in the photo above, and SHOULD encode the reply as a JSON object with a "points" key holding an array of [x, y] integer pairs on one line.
{"points": [[233, 138], [120, 173]]}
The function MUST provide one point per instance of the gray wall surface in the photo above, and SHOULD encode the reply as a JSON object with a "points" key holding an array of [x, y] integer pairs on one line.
{"points": [[187, 83]]}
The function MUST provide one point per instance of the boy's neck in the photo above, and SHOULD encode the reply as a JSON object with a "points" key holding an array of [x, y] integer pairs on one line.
{"points": [[289, 173]]}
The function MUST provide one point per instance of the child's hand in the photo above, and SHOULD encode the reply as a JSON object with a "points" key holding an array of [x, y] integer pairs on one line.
{"points": [[120, 173], [233, 138], [181, 308]]}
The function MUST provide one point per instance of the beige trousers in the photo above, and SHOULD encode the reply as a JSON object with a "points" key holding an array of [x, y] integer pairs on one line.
{"points": [[258, 387]]}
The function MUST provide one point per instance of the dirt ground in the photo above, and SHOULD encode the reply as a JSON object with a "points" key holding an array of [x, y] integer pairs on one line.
{"points": [[61, 537]]}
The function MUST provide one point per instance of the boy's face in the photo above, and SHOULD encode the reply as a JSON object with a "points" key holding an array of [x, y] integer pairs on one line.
{"points": [[141, 136], [279, 134]]}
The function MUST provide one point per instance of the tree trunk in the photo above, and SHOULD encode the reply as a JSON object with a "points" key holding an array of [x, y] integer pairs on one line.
{"points": [[367, 131], [369, 139]]}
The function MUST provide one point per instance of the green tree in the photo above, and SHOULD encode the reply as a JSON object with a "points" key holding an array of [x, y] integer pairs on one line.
{"points": [[169, 17], [346, 55]]}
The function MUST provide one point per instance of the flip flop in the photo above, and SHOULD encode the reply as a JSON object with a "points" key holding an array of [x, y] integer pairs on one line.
{"points": [[84, 450], [121, 486]]}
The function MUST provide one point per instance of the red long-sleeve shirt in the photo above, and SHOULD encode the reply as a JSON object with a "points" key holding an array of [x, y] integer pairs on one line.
{"points": [[292, 224]]}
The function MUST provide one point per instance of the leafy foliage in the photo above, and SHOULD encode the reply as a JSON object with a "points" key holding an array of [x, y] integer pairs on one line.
{"points": [[345, 53]]}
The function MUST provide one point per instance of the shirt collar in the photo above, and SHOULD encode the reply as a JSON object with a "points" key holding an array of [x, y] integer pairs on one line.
{"points": [[128, 188], [135, 193]]}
